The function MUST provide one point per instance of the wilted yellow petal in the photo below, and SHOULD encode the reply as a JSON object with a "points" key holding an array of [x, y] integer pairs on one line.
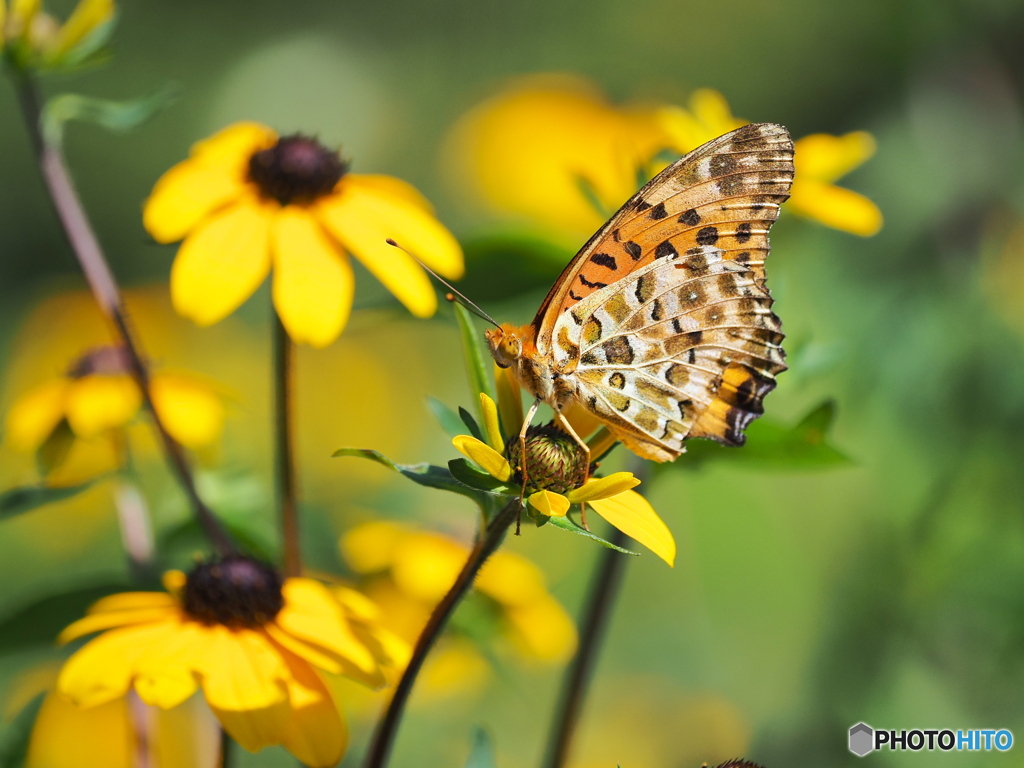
{"points": [[365, 237], [35, 415], [485, 457], [68, 736], [511, 579], [405, 222], [824, 157], [187, 194], [191, 412], [632, 514], [98, 402], [491, 428], [549, 503], [426, 565], [542, 629], [222, 262], [370, 547], [835, 207], [232, 147], [313, 281], [316, 733], [87, 16], [603, 487]]}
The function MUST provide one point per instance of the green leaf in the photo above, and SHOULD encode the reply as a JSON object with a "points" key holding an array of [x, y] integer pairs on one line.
{"points": [[423, 474], [119, 116], [804, 446], [568, 524], [478, 362], [39, 622], [14, 748], [467, 474], [481, 753], [471, 424], [54, 450], [17, 501], [92, 46], [446, 417]]}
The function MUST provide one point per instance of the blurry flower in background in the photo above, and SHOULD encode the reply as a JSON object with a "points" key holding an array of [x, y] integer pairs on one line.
{"points": [[98, 396], [820, 159], [258, 648], [32, 39], [407, 571], [532, 148], [247, 199]]}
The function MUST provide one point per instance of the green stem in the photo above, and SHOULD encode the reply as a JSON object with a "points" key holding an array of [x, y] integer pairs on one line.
{"points": [[487, 542], [284, 453], [88, 253]]}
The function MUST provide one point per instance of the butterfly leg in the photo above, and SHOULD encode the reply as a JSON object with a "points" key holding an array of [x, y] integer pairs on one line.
{"points": [[564, 424], [522, 457]]}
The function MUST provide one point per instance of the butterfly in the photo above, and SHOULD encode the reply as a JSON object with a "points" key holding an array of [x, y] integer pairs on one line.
{"points": [[662, 325]]}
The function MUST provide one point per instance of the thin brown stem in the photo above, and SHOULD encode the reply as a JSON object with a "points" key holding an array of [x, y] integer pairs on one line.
{"points": [[601, 599], [86, 247], [487, 542], [284, 453]]}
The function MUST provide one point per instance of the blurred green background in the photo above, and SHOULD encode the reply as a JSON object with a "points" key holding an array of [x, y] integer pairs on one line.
{"points": [[890, 590]]}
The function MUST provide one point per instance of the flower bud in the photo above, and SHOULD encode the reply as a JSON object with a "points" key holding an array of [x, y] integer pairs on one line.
{"points": [[554, 461]]}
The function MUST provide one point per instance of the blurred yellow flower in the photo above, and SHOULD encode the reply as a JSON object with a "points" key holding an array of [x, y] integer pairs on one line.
{"points": [[31, 38], [247, 199], [97, 395], [256, 646], [611, 497], [411, 570], [820, 160], [529, 149]]}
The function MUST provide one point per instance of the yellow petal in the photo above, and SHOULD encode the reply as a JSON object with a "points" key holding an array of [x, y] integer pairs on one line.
{"points": [[356, 604], [582, 420], [603, 487], [35, 415], [542, 629], [22, 14], [103, 668], [109, 619], [190, 411], [491, 428], [835, 207], [316, 733], [426, 565], [632, 514], [222, 262], [550, 504], [407, 223], [87, 16], [231, 148], [823, 157], [186, 736], [166, 687], [240, 670], [132, 601], [256, 728], [67, 736], [167, 674], [391, 186], [712, 111], [363, 236], [370, 547], [313, 281], [510, 401], [174, 581], [310, 653], [97, 403], [187, 194], [485, 457], [511, 579]]}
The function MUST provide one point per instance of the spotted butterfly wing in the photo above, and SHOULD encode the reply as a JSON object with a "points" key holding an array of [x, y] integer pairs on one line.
{"points": [[663, 319]]}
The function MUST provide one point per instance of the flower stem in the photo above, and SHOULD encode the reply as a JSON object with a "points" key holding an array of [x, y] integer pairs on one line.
{"points": [[487, 542], [86, 247], [284, 449], [603, 590]]}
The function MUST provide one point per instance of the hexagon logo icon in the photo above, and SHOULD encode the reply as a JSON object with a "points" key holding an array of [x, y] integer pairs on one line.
{"points": [[862, 739]]}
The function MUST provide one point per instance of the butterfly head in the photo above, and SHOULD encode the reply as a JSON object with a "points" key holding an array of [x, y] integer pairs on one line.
{"points": [[505, 343]]}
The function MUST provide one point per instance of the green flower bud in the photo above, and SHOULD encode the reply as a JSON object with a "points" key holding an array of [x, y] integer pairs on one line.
{"points": [[554, 461]]}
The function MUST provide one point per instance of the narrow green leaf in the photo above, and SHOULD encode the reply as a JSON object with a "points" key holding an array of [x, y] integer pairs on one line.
{"points": [[119, 116], [446, 417], [481, 753], [424, 474], [478, 361], [14, 748], [471, 424], [469, 475], [38, 623], [568, 524], [23, 499]]}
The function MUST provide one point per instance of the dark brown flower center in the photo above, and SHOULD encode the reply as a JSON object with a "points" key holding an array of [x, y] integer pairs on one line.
{"points": [[554, 461], [236, 592], [297, 169], [101, 360]]}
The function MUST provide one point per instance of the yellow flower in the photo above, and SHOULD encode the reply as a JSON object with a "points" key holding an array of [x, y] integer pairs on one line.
{"points": [[820, 160], [527, 150], [257, 648], [247, 199], [558, 474], [32, 38], [97, 396], [408, 571]]}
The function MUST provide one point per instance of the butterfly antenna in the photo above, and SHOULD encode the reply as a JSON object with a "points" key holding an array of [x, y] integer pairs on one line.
{"points": [[455, 294]]}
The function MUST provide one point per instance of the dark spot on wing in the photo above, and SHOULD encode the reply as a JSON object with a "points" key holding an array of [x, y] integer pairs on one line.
{"points": [[658, 212], [604, 260], [707, 235], [743, 232], [633, 249], [690, 218], [665, 249]]}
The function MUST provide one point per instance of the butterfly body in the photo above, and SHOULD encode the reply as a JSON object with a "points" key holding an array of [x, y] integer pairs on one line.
{"points": [[662, 326]]}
